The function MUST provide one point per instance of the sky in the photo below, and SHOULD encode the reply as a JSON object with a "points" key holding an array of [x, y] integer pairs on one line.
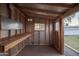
{"points": [[74, 21]]}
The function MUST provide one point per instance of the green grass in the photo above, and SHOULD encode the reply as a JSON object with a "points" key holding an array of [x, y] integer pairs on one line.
{"points": [[73, 41]]}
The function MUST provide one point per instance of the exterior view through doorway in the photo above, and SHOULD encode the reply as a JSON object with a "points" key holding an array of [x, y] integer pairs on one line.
{"points": [[71, 32]]}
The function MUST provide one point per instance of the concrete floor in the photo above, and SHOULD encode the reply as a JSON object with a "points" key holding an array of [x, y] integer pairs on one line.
{"points": [[69, 52], [38, 51], [45, 51]]}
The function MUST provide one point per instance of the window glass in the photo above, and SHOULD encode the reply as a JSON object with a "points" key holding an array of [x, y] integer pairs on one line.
{"points": [[39, 26], [57, 26]]}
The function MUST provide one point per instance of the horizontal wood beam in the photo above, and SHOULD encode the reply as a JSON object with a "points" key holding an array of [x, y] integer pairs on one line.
{"points": [[36, 15], [42, 15], [40, 12], [0, 24], [35, 12], [70, 11], [61, 5]]}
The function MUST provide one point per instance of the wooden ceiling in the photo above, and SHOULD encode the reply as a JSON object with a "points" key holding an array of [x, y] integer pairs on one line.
{"points": [[45, 9]]}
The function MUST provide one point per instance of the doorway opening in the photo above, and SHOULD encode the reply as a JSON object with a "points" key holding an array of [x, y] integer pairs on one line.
{"points": [[71, 33]]}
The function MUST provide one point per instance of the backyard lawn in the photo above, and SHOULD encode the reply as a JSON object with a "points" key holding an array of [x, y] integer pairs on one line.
{"points": [[72, 40]]}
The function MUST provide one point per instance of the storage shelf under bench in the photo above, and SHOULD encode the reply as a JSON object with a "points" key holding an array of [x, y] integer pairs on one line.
{"points": [[19, 42]]}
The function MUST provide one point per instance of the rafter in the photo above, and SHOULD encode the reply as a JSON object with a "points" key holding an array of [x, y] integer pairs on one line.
{"points": [[40, 10], [70, 11], [47, 9], [37, 11], [40, 13], [62, 5], [37, 15]]}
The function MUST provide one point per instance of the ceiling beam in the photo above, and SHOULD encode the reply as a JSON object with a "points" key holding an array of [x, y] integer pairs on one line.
{"points": [[62, 5], [37, 15], [69, 12], [40, 13], [40, 10], [29, 14], [27, 9], [44, 12]]}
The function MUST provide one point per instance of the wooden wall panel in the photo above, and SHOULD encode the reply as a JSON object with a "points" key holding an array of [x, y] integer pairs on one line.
{"points": [[36, 37], [18, 32], [53, 40], [3, 10], [51, 32], [4, 33], [13, 32], [43, 37], [61, 35], [47, 31], [49, 36], [0, 27], [58, 36], [0, 22], [18, 16]]}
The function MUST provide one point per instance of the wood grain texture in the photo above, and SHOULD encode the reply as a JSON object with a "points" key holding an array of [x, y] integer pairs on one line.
{"points": [[11, 43], [61, 36]]}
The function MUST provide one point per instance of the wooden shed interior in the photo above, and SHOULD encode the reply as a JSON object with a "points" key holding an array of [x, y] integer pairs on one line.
{"points": [[34, 24]]}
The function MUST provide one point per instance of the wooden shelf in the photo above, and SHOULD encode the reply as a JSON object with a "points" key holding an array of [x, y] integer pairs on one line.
{"points": [[6, 45]]}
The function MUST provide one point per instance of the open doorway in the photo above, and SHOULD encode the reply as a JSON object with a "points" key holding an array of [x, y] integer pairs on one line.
{"points": [[71, 34]]}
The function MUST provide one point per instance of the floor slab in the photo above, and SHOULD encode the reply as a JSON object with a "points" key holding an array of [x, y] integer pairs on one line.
{"points": [[45, 51], [38, 51], [69, 52]]}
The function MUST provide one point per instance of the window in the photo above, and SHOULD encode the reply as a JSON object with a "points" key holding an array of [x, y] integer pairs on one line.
{"points": [[57, 26], [39, 26], [10, 24]]}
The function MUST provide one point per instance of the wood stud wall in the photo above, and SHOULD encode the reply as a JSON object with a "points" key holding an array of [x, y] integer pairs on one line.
{"points": [[47, 33], [43, 37], [15, 14], [0, 28], [57, 37], [61, 35]]}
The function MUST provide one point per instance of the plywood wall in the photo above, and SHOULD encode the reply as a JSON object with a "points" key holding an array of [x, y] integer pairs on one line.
{"points": [[43, 37]]}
